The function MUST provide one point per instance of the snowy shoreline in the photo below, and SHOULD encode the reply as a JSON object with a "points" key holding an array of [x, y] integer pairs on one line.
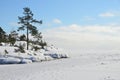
{"points": [[9, 56]]}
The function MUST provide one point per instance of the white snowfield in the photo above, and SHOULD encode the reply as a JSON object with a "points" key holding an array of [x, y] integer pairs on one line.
{"points": [[80, 67], [85, 65]]}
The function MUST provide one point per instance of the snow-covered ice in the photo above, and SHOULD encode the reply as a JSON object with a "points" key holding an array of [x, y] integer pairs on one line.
{"points": [[80, 67], [85, 65]]}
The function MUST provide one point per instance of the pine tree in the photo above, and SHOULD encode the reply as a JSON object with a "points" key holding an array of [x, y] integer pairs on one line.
{"points": [[27, 21], [12, 37]]}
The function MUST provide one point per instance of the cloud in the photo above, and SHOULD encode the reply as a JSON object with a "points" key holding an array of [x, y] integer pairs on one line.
{"points": [[57, 21], [77, 37], [107, 14], [91, 29]]}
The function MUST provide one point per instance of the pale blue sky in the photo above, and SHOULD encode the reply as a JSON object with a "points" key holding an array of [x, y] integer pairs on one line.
{"points": [[72, 24], [67, 12]]}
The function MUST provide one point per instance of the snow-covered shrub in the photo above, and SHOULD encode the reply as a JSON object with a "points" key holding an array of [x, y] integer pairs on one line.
{"points": [[1, 44], [55, 56], [63, 56], [55, 52], [24, 43], [20, 49], [36, 48]]}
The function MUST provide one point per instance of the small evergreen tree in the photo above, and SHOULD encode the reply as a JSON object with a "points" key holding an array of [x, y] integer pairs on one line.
{"points": [[14, 34], [42, 44], [12, 40], [22, 38], [20, 49], [39, 40], [2, 35], [38, 36], [12, 37]]}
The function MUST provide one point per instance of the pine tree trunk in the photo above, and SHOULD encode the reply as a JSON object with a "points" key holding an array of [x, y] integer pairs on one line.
{"points": [[27, 39]]}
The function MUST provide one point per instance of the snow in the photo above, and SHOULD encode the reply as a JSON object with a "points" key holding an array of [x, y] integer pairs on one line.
{"points": [[43, 65], [25, 61], [80, 67], [11, 55], [9, 60]]}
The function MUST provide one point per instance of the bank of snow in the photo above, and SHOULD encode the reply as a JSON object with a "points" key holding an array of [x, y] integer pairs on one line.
{"points": [[9, 56]]}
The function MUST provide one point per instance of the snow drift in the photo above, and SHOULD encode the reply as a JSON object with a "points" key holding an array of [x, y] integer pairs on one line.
{"points": [[8, 55]]}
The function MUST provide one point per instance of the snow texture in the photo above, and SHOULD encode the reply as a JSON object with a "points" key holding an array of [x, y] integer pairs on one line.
{"points": [[82, 67], [101, 65], [9, 56]]}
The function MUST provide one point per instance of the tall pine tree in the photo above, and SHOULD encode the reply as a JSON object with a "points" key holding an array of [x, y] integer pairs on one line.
{"points": [[27, 21]]}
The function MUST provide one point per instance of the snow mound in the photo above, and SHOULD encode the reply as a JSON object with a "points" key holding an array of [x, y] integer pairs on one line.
{"points": [[9, 56]]}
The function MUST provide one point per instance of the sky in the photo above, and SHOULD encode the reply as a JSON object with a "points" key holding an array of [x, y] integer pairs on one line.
{"points": [[77, 24]]}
